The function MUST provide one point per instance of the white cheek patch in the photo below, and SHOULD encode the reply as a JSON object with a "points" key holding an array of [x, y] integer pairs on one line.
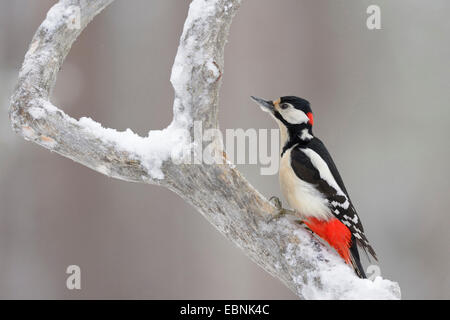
{"points": [[294, 116]]}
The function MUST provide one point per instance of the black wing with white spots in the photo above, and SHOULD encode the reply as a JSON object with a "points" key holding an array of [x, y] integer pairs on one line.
{"points": [[307, 167]]}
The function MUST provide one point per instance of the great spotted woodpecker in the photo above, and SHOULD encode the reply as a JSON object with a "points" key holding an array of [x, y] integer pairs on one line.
{"points": [[311, 183]]}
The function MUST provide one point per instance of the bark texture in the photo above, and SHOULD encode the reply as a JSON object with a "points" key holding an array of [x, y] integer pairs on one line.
{"points": [[219, 192]]}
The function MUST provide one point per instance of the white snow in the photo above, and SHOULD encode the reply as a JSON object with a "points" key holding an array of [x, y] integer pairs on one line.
{"points": [[39, 108], [151, 150], [158, 145], [36, 112], [48, 106], [228, 7], [191, 53], [53, 18], [336, 279], [51, 23]]}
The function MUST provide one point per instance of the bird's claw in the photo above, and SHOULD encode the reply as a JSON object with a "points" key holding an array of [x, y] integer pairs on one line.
{"points": [[276, 202], [281, 211], [301, 222]]}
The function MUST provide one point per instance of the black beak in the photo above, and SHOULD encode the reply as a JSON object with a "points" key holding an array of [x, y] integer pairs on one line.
{"points": [[265, 105]]}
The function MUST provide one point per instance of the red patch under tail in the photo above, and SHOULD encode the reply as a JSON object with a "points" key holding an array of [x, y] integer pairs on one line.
{"points": [[335, 233]]}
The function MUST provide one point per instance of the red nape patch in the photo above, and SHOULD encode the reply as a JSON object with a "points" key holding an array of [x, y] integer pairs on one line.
{"points": [[311, 118], [335, 233]]}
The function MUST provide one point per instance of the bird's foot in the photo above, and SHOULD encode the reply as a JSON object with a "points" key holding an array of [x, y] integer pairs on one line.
{"points": [[276, 202], [281, 211]]}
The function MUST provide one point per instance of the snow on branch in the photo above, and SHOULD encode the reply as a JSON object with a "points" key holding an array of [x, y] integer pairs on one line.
{"points": [[219, 192]]}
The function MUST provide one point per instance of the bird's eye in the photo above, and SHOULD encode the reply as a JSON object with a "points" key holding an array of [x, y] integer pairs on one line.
{"points": [[284, 106]]}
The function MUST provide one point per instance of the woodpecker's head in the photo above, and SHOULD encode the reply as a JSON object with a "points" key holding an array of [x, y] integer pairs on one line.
{"points": [[293, 115]]}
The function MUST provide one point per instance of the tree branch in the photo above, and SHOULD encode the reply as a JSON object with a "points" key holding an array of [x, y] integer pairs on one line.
{"points": [[219, 192]]}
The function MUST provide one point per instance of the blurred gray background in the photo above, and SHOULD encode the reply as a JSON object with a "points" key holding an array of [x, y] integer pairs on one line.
{"points": [[380, 100]]}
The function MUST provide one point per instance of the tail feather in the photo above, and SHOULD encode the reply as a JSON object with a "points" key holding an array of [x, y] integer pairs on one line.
{"points": [[355, 260]]}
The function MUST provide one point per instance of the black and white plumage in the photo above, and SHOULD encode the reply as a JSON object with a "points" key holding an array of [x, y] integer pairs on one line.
{"points": [[311, 183]]}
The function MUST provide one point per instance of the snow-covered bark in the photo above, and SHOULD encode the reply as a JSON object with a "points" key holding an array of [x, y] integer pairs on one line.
{"points": [[219, 192]]}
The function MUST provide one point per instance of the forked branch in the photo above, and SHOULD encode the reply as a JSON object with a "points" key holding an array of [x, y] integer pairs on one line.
{"points": [[219, 192]]}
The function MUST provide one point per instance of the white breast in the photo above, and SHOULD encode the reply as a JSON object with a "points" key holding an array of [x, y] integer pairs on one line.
{"points": [[300, 195]]}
